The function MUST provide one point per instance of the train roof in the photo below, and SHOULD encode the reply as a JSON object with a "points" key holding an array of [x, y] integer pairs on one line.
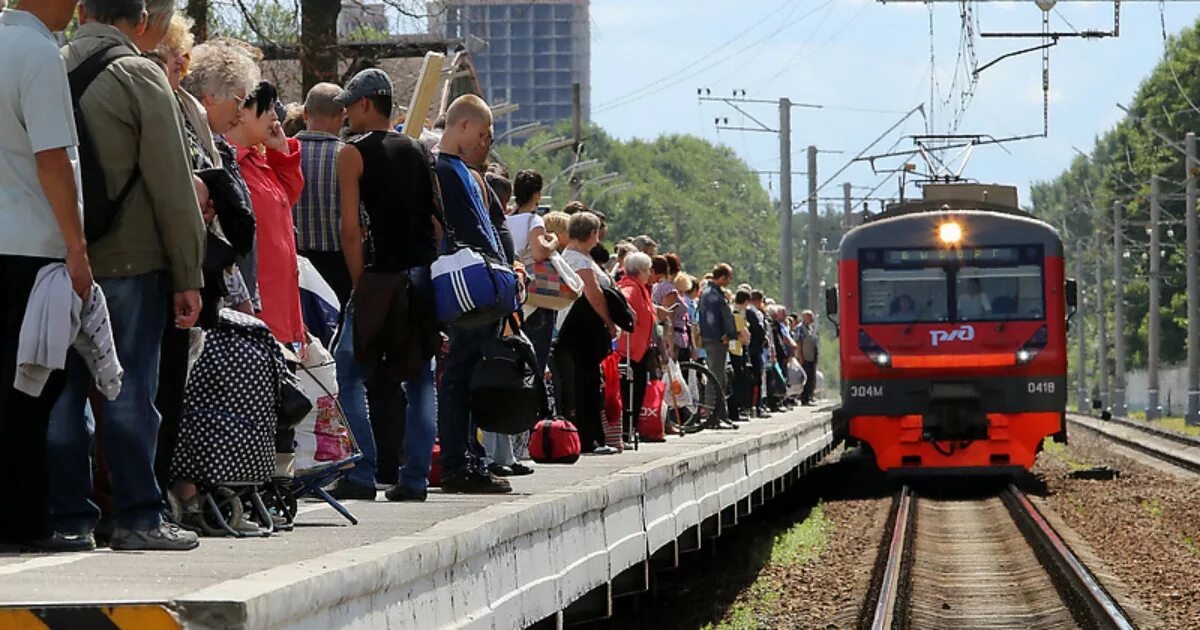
{"points": [[984, 224]]}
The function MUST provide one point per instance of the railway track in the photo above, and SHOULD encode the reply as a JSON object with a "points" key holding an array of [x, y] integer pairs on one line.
{"points": [[988, 562], [1179, 450]]}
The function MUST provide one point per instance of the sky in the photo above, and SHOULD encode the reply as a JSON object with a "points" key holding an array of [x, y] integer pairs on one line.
{"points": [[649, 57]]}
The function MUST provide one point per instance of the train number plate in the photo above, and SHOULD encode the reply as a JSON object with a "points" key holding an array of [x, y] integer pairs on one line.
{"points": [[1040, 387], [866, 391]]}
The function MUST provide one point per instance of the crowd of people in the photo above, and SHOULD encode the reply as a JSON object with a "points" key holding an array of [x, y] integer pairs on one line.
{"points": [[151, 192]]}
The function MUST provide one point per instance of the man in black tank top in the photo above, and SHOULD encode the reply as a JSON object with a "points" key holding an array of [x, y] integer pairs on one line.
{"points": [[388, 178]]}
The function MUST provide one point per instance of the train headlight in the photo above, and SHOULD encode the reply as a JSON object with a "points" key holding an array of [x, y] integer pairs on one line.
{"points": [[1031, 348], [950, 233], [873, 350]]}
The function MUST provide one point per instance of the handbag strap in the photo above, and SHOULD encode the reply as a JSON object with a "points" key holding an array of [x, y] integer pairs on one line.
{"points": [[547, 443]]}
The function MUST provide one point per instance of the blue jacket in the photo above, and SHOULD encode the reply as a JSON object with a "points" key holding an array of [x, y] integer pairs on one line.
{"points": [[716, 319]]}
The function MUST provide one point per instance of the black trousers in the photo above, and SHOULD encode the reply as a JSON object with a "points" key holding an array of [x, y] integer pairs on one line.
{"points": [[743, 387], [389, 414], [633, 406], [332, 267], [582, 395], [172, 381], [810, 383], [754, 376], [23, 418]]}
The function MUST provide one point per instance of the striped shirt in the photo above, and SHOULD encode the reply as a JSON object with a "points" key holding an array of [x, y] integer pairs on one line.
{"points": [[318, 213]]}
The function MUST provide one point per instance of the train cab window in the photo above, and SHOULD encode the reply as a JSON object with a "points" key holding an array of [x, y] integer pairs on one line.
{"points": [[999, 293], [904, 295]]}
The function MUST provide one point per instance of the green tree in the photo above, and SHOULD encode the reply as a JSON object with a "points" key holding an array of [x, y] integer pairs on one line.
{"points": [[1118, 169], [695, 198]]}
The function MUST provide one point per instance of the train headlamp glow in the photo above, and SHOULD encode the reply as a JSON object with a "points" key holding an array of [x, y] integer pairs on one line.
{"points": [[950, 233], [882, 359]]}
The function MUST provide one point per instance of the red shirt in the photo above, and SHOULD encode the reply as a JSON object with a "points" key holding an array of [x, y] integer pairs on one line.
{"points": [[275, 182], [638, 295]]}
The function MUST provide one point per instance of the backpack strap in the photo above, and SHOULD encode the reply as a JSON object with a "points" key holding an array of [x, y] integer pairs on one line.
{"points": [[81, 78]]}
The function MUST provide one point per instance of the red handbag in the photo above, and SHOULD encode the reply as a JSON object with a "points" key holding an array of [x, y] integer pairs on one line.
{"points": [[650, 420], [554, 442]]}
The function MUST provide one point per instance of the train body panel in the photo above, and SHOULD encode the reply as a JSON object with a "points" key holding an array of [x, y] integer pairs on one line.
{"points": [[953, 336]]}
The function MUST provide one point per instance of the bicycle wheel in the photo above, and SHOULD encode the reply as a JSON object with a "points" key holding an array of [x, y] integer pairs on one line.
{"points": [[694, 408]]}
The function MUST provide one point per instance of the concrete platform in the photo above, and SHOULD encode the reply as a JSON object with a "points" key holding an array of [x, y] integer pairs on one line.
{"points": [[568, 540]]}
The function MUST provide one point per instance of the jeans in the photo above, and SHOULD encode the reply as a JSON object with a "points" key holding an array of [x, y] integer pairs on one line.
{"points": [[137, 308], [420, 412], [499, 448], [455, 429], [23, 418], [717, 352]]}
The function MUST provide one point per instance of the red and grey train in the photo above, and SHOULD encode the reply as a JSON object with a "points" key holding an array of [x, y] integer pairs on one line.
{"points": [[953, 314]]}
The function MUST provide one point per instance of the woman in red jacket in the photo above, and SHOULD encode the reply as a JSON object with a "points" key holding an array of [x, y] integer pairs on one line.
{"points": [[633, 346], [270, 164]]}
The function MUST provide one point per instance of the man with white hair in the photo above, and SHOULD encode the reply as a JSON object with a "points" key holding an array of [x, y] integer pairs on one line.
{"points": [[149, 257]]}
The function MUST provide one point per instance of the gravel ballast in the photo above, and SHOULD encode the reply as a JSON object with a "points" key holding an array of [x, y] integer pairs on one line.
{"points": [[1144, 525]]}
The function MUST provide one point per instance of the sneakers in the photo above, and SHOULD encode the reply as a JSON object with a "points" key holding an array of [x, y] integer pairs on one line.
{"points": [[59, 541], [605, 450], [399, 493], [346, 489], [474, 482], [165, 537]]}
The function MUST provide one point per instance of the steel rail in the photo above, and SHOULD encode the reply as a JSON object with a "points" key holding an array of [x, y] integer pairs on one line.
{"points": [[1157, 432], [1170, 458], [1075, 582], [891, 584]]}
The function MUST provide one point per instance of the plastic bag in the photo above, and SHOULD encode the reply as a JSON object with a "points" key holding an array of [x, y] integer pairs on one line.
{"points": [[322, 437], [679, 393]]}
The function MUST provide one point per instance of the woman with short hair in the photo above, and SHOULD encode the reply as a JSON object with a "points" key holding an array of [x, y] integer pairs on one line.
{"points": [[270, 163], [586, 336], [634, 346]]}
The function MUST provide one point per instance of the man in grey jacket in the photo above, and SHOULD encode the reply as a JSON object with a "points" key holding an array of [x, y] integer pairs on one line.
{"points": [[150, 258], [717, 328], [808, 355]]}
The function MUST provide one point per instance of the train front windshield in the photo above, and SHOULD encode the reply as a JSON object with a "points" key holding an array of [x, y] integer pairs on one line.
{"points": [[951, 285]]}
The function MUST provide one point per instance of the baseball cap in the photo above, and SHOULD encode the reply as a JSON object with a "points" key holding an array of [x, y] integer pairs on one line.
{"points": [[369, 82]]}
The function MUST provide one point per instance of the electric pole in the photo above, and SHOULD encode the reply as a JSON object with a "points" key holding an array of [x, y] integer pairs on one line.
{"points": [[1152, 407], [1081, 370], [814, 236], [1118, 399], [786, 277], [848, 211], [1102, 329], [1192, 417], [576, 134]]}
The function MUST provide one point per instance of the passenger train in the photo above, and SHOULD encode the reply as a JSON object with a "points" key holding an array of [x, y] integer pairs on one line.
{"points": [[953, 312]]}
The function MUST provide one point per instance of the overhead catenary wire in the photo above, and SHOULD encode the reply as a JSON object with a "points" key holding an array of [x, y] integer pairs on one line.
{"points": [[660, 86]]}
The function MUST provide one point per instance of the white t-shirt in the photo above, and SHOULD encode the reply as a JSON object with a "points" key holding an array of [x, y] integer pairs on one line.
{"points": [[35, 116], [974, 306], [520, 226], [580, 262]]}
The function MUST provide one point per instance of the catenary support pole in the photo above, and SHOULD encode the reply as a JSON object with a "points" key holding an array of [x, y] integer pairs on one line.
{"points": [[1081, 369], [1118, 399], [1152, 358], [814, 234], [1102, 334], [1192, 416], [787, 282], [577, 134], [848, 208]]}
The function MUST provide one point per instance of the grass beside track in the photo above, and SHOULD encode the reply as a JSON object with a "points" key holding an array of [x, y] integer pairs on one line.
{"points": [[800, 544], [1172, 423]]}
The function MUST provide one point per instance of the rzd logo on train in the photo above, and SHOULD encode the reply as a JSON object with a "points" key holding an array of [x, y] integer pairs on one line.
{"points": [[962, 333]]}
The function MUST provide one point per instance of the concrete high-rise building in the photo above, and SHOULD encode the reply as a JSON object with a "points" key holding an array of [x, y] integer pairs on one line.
{"points": [[535, 51]]}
